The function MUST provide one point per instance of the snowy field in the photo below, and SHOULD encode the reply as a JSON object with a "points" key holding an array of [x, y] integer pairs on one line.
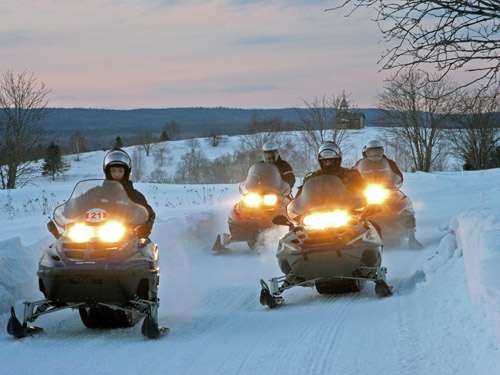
{"points": [[444, 317]]}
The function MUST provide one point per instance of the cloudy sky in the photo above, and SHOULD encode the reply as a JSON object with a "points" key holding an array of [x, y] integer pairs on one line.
{"points": [[165, 53]]}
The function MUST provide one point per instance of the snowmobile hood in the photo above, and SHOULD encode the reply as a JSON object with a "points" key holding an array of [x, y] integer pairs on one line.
{"points": [[264, 178], [94, 200], [378, 171], [320, 193]]}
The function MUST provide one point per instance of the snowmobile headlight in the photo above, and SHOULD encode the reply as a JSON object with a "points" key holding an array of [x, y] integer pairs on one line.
{"points": [[112, 231], [252, 200], [80, 233], [327, 220], [376, 194], [270, 199]]}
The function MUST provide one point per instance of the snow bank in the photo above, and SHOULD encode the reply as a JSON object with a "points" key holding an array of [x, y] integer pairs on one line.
{"points": [[478, 237], [17, 267]]}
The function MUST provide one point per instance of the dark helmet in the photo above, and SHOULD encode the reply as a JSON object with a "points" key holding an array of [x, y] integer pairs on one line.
{"points": [[118, 158], [330, 151]]}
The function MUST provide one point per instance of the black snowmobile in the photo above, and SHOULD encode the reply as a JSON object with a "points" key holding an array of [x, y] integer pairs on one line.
{"points": [[98, 264], [331, 245]]}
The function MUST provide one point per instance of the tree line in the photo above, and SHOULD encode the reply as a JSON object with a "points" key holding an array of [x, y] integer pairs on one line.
{"points": [[416, 108]]}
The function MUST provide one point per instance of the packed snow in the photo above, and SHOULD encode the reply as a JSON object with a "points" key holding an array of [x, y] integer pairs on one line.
{"points": [[441, 319]]}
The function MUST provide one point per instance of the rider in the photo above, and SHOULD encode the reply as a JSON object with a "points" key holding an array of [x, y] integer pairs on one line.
{"points": [[330, 159], [374, 162], [117, 166], [271, 155]]}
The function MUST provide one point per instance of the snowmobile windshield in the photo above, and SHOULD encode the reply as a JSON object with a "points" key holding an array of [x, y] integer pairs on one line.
{"points": [[264, 178], [319, 193], [378, 172], [98, 200]]}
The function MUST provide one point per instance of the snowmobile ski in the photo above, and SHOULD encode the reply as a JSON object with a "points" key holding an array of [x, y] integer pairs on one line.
{"points": [[18, 330]]}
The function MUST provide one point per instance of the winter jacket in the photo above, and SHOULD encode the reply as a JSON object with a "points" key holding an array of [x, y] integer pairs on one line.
{"points": [[351, 178], [286, 171], [137, 197]]}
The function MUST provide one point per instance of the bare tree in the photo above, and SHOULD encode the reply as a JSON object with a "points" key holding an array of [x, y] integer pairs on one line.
{"points": [[319, 123], [416, 112], [260, 132], [145, 139], [160, 155], [23, 101], [137, 164], [78, 144], [448, 35], [193, 165], [478, 137]]}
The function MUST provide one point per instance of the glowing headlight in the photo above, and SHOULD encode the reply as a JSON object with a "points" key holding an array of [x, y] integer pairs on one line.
{"points": [[326, 220], [111, 231], [252, 200], [376, 194], [80, 233], [270, 199]]}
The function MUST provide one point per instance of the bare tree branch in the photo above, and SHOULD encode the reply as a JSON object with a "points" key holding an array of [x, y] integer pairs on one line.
{"points": [[23, 102], [416, 112], [450, 35]]}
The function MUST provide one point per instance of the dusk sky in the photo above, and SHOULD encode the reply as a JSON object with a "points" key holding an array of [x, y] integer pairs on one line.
{"points": [[166, 53]]}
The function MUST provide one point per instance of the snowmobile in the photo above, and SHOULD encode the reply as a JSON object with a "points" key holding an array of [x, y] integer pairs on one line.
{"points": [[330, 245], [396, 216], [98, 264], [264, 196]]}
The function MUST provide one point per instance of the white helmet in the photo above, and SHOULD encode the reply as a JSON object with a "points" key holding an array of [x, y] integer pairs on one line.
{"points": [[270, 148], [373, 150], [117, 157], [329, 150]]}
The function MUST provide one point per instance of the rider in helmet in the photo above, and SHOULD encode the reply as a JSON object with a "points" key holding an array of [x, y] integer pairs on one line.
{"points": [[271, 155], [330, 160], [375, 162], [117, 166]]}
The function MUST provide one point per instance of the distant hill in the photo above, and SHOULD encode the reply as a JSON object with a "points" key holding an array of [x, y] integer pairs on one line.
{"points": [[103, 125]]}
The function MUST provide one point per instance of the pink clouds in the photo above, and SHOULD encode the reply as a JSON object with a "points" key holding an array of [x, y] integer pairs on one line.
{"points": [[125, 54]]}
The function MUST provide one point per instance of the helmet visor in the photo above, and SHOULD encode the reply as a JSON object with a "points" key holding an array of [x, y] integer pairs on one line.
{"points": [[328, 154], [375, 153], [117, 158]]}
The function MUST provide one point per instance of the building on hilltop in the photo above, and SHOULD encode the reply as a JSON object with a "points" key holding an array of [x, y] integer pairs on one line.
{"points": [[345, 118]]}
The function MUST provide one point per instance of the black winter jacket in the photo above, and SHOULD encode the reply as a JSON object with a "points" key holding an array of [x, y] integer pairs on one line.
{"points": [[137, 197], [351, 178], [286, 171]]}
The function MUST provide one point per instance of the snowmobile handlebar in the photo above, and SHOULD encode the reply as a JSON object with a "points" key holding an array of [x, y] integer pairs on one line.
{"points": [[52, 228]]}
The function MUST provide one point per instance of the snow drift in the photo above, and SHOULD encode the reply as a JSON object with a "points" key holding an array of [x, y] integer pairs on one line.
{"points": [[17, 265], [478, 237]]}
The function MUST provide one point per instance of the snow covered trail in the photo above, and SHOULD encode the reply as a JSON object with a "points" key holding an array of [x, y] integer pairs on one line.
{"points": [[217, 325]]}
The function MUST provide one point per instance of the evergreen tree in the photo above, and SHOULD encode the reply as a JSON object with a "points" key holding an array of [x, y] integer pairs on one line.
{"points": [[53, 162], [164, 136], [118, 142]]}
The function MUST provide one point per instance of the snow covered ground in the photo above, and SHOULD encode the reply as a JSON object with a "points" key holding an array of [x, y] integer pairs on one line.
{"points": [[441, 320], [90, 163]]}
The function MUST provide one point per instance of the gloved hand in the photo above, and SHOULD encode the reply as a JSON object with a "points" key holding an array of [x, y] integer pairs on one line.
{"points": [[143, 231]]}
